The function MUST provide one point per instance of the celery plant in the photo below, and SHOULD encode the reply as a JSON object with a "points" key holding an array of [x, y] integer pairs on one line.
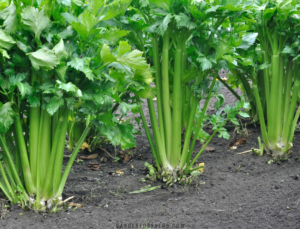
{"points": [[185, 50], [277, 25], [47, 70]]}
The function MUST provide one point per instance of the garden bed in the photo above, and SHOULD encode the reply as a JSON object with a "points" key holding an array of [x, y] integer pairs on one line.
{"points": [[235, 191]]}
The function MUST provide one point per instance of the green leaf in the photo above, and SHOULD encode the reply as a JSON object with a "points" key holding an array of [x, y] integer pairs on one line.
{"points": [[185, 21], [85, 27], [59, 50], [247, 40], [34, 101], [64, 2], [165, 4], [202, 136], [288, 50], [134, 60], [69, 87], [66, 33], [61, 71], [124, 47], [222, 49], [78, 2], [43, 58], [106, 54], [9, 15], [263, 66], [54, 104], [113, 36], [120, 135], [95, 5], [268, 13], [164, 24], [144, 3], [115, 8], [224, 134], [7, 116], [3, 4], [146, 93], [243, 114], [25, 48], [125, 107], [34, 20], [205, 63], [6, 41], [70, 102], [69, 17], [212, 9], [131, 59], [24, 88], [144, 76], [83, 65], [4, 53]]}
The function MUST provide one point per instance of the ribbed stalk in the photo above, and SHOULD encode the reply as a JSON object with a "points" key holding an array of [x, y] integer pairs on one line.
{"points": [[287, 92], [161, 151], [287, 128], [44, 146], [34, 122], [199, 121], [59, 156], [272, 122], [24, 157], [78, 128], [6, 192], [266, 83], [279, 108], [158, 85], [177, 108], [166, 93], [48, 191], [54, 122], [8, 186], [261, 116], [184, 88], [10, 163], [188, 133], [291, 136], [153, 149]]}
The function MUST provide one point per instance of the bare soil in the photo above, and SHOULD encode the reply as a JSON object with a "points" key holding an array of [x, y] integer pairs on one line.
{"points": [[235, 191]]}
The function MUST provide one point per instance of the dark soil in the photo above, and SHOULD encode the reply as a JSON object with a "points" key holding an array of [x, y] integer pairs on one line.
{"points": [[235, 191]]}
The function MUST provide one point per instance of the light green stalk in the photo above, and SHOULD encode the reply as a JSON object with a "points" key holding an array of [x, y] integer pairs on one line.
{"points": [[48, 191], [177, 108], [44, 147], [261, 116], [158, 84], [59, 155], [166, 93], [10, 163], [34, 122], [272, 129], [186, 157], [24, 156], [287, 91], [8, 186], [54, 122]]}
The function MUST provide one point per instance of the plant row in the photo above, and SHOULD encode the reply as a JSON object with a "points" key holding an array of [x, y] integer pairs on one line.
{"points": [[74, 68]]}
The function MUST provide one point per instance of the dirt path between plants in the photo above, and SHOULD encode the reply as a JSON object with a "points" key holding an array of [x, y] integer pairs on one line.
{"points": [[235, 191]]}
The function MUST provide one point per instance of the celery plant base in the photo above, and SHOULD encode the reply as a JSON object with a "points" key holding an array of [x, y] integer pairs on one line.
{"points": [[279, 151], [172, 176]]}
